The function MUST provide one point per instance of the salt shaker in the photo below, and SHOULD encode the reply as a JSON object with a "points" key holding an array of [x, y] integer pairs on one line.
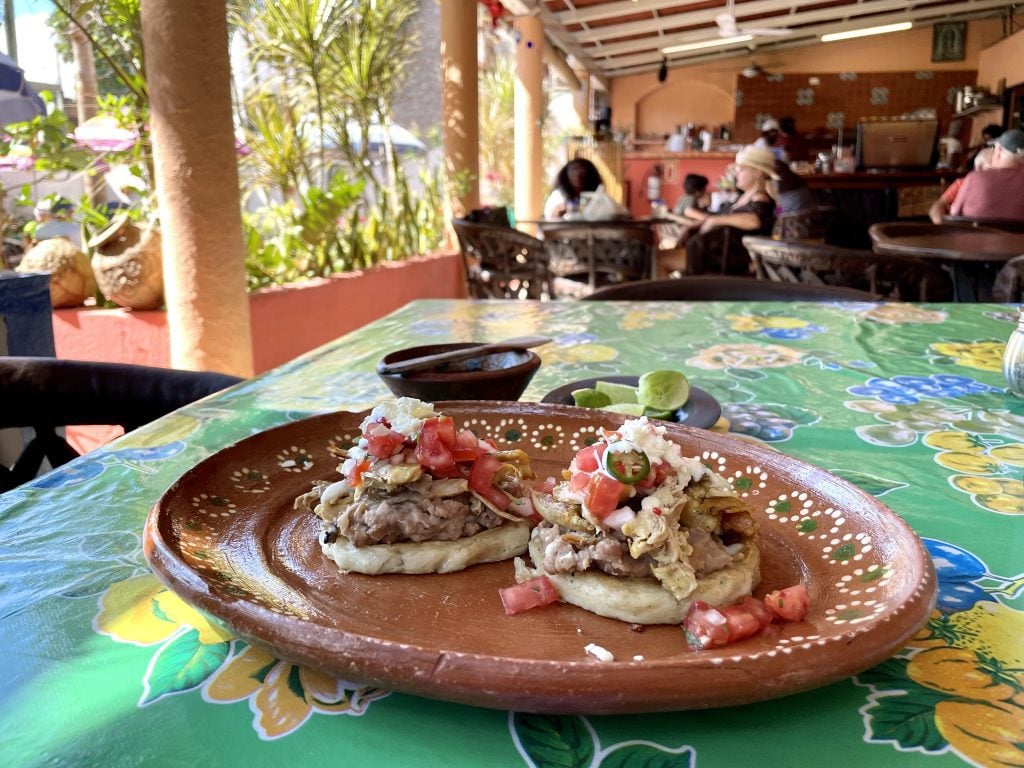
{"points": [[1013, 358]]}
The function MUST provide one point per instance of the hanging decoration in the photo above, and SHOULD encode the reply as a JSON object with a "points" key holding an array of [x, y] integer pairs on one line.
{"points": [[496, 9]]}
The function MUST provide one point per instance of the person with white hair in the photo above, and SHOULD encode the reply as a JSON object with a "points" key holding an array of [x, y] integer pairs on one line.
{"points": [[996, 193], [720, 234]]}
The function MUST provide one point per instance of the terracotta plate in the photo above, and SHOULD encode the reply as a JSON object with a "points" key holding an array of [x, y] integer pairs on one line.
{"points": [[226, 539], [701, 410]]}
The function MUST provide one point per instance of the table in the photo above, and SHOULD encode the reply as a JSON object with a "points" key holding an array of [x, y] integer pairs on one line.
{"points": [[104, 667], [973, 256]]}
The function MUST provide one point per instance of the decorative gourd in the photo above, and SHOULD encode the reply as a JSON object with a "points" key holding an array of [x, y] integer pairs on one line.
{"points": [[128, 265], [71, 277]]}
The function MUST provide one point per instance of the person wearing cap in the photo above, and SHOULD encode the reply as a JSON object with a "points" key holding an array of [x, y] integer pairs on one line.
{"points": [[753, 213], [769, 139], [940, 208], [996, 193]]}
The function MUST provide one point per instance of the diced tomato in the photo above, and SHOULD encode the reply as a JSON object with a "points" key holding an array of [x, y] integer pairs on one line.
{"points": [[579, 481], [431, 451], [789, 604], [385, 444], [741, 622], [758, 609], [655, 477], [355, 474], [589, 458], [481, 480], [545, 486], [705, 627], [530, 594], [467, 447], [446, 431], [602, 495]]}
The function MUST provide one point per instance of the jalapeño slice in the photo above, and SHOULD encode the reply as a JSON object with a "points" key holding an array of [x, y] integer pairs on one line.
{"points": [[626, 463]]}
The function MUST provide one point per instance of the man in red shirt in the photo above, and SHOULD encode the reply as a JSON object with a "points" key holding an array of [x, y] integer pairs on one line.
{"points": [[997, 193]]}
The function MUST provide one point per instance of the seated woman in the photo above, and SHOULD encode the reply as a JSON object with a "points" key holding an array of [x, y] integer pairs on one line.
{"points": [[577, 176], [719, 235]]}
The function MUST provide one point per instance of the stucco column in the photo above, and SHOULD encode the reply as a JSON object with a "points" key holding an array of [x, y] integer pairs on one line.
{"points": [[460, 101], [196, 169], [529, 110], [581, 100]]}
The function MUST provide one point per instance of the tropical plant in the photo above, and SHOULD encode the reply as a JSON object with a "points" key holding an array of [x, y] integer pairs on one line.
{"points": [[497, 142]]}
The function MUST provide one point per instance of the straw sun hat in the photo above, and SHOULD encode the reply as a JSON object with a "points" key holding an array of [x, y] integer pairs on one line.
{"points": [[759, 159]]}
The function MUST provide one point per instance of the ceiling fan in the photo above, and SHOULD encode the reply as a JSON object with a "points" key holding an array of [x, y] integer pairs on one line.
{"points": [[728, 27]]}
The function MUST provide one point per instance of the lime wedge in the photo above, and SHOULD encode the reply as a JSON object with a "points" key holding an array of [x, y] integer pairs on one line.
{"points": [[629, 409], [590, 398], [663, 390], [653, 413], [618, 393]]}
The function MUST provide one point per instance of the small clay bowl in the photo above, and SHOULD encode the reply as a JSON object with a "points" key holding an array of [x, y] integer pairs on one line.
{"points": [[499, 376]]}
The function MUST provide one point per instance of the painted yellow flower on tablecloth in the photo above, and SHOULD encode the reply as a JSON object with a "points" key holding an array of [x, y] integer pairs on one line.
{"points": [[283, 695], [142, 611], [755, 323], [638, 319], [745, 356], [981, 355], [899, 314], [977, 659], [191, 652], [583, 352]]}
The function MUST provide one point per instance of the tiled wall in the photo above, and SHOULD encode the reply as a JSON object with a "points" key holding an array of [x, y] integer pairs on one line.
{"points": [[840, 99]]}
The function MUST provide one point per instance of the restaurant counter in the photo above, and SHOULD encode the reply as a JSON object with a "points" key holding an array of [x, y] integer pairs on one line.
{"points": [[105, 666]]}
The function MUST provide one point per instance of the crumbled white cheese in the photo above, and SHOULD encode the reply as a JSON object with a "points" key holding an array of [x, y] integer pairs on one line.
{"points": [[599, 653], [405, 415], [638, 658]]}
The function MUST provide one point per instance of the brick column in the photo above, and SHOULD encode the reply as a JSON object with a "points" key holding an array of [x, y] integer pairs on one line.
{"points": [[460, 101], [529, 110], [196, 169]]}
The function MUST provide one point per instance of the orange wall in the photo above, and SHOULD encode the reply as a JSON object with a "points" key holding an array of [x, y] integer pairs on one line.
{"points": [[286, 322], [1002, 61], [705, 93]]}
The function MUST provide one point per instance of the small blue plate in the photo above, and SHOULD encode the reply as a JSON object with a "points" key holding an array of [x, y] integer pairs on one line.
{"points": [[701, 410]]}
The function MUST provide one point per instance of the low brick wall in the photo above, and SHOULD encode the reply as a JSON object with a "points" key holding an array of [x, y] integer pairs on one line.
{"points": [[287, 321]]}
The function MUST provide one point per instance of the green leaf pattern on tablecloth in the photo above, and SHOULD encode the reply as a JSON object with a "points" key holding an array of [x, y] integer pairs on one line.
{"points": [[181, 664], [565, 741]]}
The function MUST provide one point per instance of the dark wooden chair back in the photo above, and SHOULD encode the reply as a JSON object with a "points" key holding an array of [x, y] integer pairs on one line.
{"points": [[600, 253], [715, 288], [1003, 225], [810, 224], [43, 394], [893, 277], [501, 262], [886, 230], [1009, 283]]}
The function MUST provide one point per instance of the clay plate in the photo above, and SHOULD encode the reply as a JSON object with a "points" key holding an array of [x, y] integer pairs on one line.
{"points": [[225, 538], [701, 410]]}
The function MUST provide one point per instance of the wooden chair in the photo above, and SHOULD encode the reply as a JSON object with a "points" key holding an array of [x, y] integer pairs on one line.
{"points": [[502, 263], [810, 224], [1003, 225], [1009, 283], [715, 288], [43, 393], [893, 277], [596, 254]]}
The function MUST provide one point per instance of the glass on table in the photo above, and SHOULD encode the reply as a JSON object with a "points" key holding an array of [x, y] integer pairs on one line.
{"points": [[1013, 358]]}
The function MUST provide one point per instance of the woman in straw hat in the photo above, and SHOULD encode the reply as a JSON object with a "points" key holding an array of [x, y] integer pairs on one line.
{"points": [[753, 213]]}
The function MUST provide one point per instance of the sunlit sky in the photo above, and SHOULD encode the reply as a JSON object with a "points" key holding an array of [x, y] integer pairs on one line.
{"points": [[37, 54]]}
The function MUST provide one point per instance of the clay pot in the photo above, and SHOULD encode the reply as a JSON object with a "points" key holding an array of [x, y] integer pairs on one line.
{"points": [[128, 265], [71, 278]]}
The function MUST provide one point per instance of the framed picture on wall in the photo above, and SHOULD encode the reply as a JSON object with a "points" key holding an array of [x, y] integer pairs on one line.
{"points": [[948, 41]]}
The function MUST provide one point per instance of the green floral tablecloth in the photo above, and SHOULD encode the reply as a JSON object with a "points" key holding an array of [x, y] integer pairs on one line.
{"points": [[102, 666]]}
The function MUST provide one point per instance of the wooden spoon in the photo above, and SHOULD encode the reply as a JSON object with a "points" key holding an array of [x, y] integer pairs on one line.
{"points": [[433, 361]]}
